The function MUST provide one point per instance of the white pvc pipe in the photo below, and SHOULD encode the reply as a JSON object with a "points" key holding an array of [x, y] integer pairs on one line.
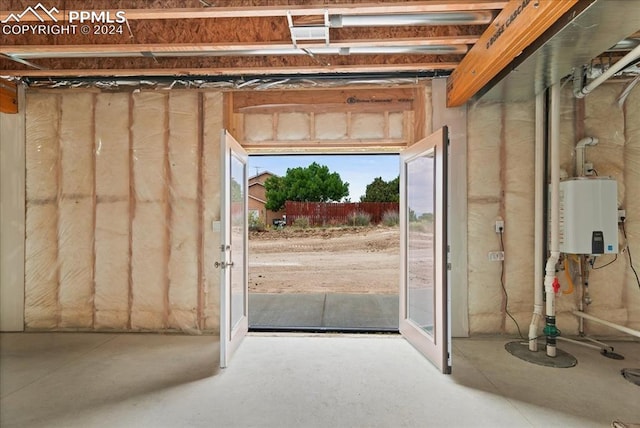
{"points": [[622, 63], [540, 190], [608, 323], [580, 151], [550, 268]]}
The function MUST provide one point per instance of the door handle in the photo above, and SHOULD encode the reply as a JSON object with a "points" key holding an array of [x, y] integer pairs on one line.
{"points": [[222, 265]]}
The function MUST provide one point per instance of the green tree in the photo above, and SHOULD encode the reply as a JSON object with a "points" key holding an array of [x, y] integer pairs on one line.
{"points": [[382, 191], [314, 183]]}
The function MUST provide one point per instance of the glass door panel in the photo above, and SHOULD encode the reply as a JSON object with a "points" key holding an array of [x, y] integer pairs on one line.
{"points": [[423, 248], [234, 232]]}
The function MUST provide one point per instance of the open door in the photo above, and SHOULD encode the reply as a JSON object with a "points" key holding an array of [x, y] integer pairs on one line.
{"points": [[234, 322], [423, 248]]}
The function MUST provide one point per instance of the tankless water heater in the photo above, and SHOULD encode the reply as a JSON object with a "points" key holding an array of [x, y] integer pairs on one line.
{"points": [[589, 215]]}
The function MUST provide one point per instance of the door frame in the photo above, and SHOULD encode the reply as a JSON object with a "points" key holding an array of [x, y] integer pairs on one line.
{"points": [[231, 336], [436, 346]]}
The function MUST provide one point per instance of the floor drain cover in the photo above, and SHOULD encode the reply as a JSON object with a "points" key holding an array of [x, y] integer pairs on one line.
{"points": [[521, 350], [632, 375], [612, 355]]}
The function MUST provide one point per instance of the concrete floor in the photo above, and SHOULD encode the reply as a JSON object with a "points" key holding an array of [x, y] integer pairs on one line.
{"points": [[326, 310], [135, 380]]}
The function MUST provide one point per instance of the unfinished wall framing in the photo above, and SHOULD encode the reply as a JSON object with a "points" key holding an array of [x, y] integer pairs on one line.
{"points": [[119, 190], [500, 184], [381, 118]]}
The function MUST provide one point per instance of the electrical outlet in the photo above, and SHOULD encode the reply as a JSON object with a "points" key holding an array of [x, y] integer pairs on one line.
{"points": [[499, 226], [496, 256], [622, 215], [588, 168]]}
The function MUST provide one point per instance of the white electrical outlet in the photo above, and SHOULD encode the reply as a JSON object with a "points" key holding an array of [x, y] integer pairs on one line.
{"points": [[622, 215], [588, 169], [499, 226], [496, 256]]}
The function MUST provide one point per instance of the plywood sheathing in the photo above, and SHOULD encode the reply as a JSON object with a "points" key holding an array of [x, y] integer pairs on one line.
{"points": [[109, 4], [221, 30]]}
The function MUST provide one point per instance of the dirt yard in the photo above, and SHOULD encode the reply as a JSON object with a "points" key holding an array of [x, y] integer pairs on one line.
{"points": [[325, 260]]}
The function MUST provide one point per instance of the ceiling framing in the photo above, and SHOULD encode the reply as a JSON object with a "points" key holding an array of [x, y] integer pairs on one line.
{"points": [[237, 38], [461, 39]]}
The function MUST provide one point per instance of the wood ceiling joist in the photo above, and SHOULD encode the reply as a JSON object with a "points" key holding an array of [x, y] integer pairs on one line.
{"points": [[518, 25], [35, 51], [235, 71], [295, 10], [8, 97]]}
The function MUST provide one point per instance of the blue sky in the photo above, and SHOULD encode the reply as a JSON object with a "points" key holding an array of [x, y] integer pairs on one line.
{"points": [[357, 170]]}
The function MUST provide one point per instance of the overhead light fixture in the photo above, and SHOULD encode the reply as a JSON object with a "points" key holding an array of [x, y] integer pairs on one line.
{"points": [[412, 19]]}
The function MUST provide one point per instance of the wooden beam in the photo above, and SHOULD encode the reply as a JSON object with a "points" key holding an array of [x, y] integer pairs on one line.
{"points": [[296, 10], [8, 97], [519, 24], [326, 108], [250, 71], [325, 101], [44, 51]]}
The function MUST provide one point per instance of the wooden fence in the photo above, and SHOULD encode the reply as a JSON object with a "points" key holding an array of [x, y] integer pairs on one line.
{"points": [[330, 214]]}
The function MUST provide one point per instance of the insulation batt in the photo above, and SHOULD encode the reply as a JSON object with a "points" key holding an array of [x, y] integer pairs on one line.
{"points": [[41, 229], [117, 246], [75, 211], [331, 126], [396, 125], [631, 294], [112, 264], [519, 140], [293, 126], [149, 228], [113, 211], [367, 126], [41, 273], [258, 127], [184, 227], [485, 293]]}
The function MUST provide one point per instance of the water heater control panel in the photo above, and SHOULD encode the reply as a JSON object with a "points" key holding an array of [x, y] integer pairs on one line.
{"points": [[589, 215]]}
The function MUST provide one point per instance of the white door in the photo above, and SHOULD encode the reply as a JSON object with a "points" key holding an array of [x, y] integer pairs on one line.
{"points": [[423, 248], [233, 259]]}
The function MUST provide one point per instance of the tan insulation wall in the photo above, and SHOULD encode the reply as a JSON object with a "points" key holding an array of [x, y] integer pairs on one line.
{"points": [[614, 290], [213, 124], [12, 219], [631, 293], [331, 126], [41, 245], [113, 215], [500, 184], [115, 210]]}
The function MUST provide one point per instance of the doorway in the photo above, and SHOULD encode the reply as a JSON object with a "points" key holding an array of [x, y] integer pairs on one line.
{"points": [[431, 336], [331, 265]]}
